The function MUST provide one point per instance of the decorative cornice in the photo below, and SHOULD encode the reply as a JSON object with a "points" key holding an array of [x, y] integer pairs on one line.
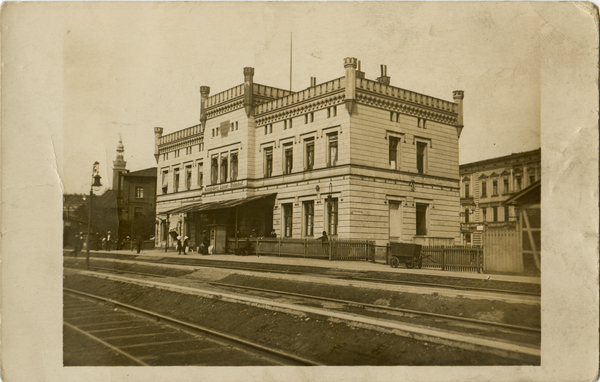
{"points": [[222, 108], [300, 109], [405, 107], [164, 148]]}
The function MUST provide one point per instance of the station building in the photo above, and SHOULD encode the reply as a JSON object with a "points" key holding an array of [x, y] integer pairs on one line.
{"points": [[354, 157], [487, 185]]}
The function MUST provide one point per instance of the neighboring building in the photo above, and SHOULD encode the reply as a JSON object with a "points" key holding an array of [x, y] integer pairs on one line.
{"points": [[354, 157], [137, 203], [486, 185]]}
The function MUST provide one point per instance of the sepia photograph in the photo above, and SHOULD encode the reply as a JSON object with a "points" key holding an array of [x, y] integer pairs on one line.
{"points": [[250, 185]]}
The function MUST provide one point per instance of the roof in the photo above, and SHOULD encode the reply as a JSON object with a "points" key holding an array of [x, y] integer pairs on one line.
{"points": [[498, 160], [147, 172], [106, 200], [529, 195], [197, 207]]}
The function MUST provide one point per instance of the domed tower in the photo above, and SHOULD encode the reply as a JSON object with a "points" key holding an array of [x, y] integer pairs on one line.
{"points": [[119, 166]]}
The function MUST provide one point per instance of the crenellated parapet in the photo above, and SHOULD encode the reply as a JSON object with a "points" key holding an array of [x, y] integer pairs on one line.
{"points": [[183, 138], [388, 97]]}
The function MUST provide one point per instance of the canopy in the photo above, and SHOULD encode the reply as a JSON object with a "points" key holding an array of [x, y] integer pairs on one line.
{"points": [[198, 207]]}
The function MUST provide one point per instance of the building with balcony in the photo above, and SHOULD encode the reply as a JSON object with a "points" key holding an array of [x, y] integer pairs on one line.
{"points": [[355, 157], [486, 186]]}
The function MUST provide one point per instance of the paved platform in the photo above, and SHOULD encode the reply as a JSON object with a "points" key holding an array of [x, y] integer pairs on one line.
{"points": [[343, 265]]}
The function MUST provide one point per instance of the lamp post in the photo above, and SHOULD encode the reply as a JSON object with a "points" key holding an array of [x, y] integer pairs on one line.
{"points": [[95, 183]]}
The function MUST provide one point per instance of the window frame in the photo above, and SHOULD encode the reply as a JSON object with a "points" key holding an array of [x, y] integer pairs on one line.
{"points": [[288, 162], [332, 141], [176, 179], [483, 189], [423, 156], [233, 166], [308, 215], [396, 165], [200, 179], [214, 169], [425, 220], [223, 167], [308, 155], [138, 194], [288, 219], [268, 162], [188, 177], [332, 215]]}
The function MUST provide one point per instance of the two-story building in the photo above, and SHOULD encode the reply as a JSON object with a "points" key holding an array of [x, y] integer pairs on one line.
{"points": [[486, 185], [354, 157]]}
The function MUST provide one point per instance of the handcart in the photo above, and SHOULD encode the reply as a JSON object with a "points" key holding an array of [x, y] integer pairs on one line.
{"points": [[409, 254]]}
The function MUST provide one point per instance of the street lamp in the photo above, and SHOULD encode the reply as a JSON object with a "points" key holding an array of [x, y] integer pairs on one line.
{"points": [[95, 183]]}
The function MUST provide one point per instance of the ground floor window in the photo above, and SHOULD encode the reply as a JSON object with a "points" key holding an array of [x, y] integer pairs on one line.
{"points": [[332, 217], [309, 218], [287, 219], [421, 219]]}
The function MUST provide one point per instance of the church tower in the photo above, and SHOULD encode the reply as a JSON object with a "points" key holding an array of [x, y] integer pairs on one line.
{"points": [[119, 167]]}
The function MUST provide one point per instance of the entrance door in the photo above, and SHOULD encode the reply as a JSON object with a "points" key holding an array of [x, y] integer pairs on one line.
{"points": [[395, 221]]}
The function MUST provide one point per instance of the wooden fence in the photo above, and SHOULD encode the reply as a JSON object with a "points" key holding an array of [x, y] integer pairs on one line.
{"points": [[453, 258], [502, 250], [335, 249]]}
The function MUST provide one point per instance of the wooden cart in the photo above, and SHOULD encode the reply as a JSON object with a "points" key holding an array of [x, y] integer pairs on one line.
{"points": [[409, 254]]}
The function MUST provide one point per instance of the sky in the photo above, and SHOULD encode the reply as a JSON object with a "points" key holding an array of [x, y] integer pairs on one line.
{"points": [[129, 67]]}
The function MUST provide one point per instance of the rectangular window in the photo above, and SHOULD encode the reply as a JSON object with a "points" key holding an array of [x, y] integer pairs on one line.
{"points": [[494, 214], [483, 189], [224, 168], [531, 179], [287, 219], [332, 149], [310, 154], [201, 146], [214, 170], [309, 218], [309, 117], [332, 217], [484, 214], [285, 124], [200, 174], [289, 123], [165, 181], [494, 188], [188, 177], [421, 123], [137, 212], [331, 111], [506, 190], [268, 169], [421, 219], [466, 190], [234, 166], [176, 180], [506, 214], [421, 157], [288, 158], [466, 215], [518, 184], [139, 192], [394, 153]]}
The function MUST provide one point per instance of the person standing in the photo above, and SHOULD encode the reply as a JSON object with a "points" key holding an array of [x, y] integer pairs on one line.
{"points": [[139, 243], [273, 233], [325, 243], [77, 244], [108, 241], [186, 243], [179, 246]]}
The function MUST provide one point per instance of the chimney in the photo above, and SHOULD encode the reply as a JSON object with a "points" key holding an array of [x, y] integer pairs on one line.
{"points": [[248, 90], [157, 134], [384, 79], [204, 92], [350, 64], [359, 73], [458, 96]]}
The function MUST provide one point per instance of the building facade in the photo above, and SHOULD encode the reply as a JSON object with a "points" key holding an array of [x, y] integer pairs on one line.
{"points": [[354, 157], [137, 203], [486, 186]]}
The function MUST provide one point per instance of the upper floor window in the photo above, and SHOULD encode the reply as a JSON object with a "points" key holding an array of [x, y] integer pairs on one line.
{"points": [[421, 157], [421, 123], [234, 166], [288, 158], [188, 177], [268, 128], [287, 124], [310, 154], [494, 214], [309, 117], [466, 190], [268, 161], [331, 111], [466, 215], [332, 149], [176, 153], [201, 146], [506, 189], [214, 169], [176, 180], [224, 159], [393, 154], [518, 184], [494, 187], [506, 214], [139, 192], [531, 179], [165, 181], [483, 189], [484, 214], [200, 174], [137, 212]]}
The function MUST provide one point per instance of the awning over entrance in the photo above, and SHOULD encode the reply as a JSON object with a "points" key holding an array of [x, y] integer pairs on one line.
{"points": [[199, 207]]}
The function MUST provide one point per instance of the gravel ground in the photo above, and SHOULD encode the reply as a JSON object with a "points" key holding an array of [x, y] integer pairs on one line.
{"points": [[310, 336]]}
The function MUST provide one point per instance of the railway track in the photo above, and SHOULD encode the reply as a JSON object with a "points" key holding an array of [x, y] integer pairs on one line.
{"points": [[117, 334], [348, 278], [445, 333]]}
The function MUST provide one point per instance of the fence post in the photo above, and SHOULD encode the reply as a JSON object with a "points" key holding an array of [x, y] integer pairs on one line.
{"points": [[387, 254], [443, 258], [330, 246], [305, 247]]}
